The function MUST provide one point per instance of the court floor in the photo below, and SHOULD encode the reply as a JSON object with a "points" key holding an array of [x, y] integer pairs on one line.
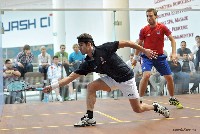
{"points": [[112, 116]]}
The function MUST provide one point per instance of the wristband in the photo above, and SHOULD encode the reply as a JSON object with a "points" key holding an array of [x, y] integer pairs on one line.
{"points": [[55, 85], [136, 57]]}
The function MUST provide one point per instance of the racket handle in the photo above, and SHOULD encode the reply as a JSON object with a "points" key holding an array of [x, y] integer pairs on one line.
{"points": [[39, 89]]}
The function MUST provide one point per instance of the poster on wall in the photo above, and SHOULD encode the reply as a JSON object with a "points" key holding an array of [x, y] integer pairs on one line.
{"points": [[36, 27], [182, 23], [22, 28]]}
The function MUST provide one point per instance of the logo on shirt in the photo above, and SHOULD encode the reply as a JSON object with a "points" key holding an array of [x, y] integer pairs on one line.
{"points": [[158, 32], [144, 67], [130, 94], [95, 67], [148, 34], [102, 60]]}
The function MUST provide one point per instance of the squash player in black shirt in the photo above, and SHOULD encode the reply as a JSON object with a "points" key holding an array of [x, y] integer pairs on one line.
{"points": [[103, 59]]}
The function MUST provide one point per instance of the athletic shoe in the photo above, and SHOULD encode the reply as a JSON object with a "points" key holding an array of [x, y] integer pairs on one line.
{"points": [[161, 109], [71, 97], [16, 102], [175, 102], [85, 121], [193, 91], [59, 98]]}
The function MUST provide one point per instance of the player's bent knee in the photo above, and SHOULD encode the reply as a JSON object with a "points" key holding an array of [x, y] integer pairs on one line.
{"points": [[137, 110], [169, 78], [147, 76], [91, 87]]}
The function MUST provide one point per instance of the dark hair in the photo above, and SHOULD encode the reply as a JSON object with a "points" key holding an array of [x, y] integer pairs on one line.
{"points": [[155, 12], [62, 45], [197, 36], [85, 38], [6, 61], [185, 53], [55, 57], [183, 41], [26, 47]]}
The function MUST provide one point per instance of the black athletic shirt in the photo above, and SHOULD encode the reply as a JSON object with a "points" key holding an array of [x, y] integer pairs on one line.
{"points": [[106, 61]]}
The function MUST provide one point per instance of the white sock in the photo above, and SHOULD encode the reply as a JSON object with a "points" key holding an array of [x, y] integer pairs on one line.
{"points": [[141, 98]]}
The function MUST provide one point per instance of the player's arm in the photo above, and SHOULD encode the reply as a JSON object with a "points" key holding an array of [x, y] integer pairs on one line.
{"points": [[149, 53], [173, 45], [68, 79], [131, 44], [139, 43], [62, 82], [136, 54]]}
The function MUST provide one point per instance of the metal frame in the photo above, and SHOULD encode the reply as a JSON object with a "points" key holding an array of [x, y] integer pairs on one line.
{"points": [[93, 9]]}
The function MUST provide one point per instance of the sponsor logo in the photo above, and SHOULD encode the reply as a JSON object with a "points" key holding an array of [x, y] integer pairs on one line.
{"points": [[130, 94], [102, 60]]}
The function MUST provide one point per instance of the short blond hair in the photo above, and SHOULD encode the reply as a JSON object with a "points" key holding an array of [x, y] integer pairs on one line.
{"points": [[75, 45], [42, 47]]}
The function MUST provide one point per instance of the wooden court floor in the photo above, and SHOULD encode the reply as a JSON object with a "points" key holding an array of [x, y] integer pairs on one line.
{"points": [[112, 116]]}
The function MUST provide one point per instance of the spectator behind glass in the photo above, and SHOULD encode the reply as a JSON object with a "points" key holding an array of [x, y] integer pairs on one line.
{"points": [[10, 71], [24, 60], [54, 74], [179, 76], [76, 57], [129, 62], [10, 74], [188, 67], [63, 58], [182, 50], [44, 60], [196, 52], [137, 69], [155, 80]]}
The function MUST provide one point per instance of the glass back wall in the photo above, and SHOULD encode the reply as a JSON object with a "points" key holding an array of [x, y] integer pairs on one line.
{"points": [[1, 65]]}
